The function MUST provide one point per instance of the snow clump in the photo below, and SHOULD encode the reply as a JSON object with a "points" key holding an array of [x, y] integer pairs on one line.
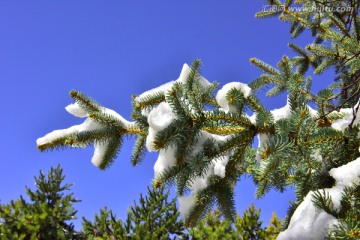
{"points": [[309, 222], [159, 118], [222, 93], [342, 123], [185, 71]]}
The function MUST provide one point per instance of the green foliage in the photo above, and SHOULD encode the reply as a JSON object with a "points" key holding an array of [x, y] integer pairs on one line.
{"points": [[213, 227], [154, 217], [46, 216], [248, 226], [105, 226]]}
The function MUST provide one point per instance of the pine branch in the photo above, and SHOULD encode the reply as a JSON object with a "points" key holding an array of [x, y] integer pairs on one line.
{"points": [[113, 146], [149, 100], [204, 201], [322, 200], [85, 102], [265, 67], [226, 203], [138, 152]]}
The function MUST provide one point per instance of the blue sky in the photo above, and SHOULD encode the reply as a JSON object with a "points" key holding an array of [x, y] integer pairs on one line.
{"points": [[110, 50]]}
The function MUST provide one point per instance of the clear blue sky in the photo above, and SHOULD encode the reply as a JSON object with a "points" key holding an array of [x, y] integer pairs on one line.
{"points": [[110, 50]]}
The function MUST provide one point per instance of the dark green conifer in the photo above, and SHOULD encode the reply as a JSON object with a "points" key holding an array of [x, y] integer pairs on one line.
{"points": [[213, 227], [247, 227], [46, 216], [154, 217]]}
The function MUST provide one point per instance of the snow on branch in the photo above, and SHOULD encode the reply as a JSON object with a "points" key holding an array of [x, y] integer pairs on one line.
{"points": [[205, 142], [309, 222]]}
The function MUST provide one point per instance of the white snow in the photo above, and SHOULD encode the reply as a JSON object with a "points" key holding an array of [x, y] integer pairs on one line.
{"points": [[262, 137], [219, 166], [308, 222], [166, 160], [114, 114], [167, 86], [252, 118], [317, 156], [187, 202], [161, 89], [216, 167], [76, 110], [146, 111], [185, 205], [313, 112], [150, 140], [348, 174], [204, 83], [201, 182], [203, 137], [222, 93], [282, 113], [87, 125], [187, 104], [99, 153], [100, 147], [159, 118], [341, 124], [285, 112]]}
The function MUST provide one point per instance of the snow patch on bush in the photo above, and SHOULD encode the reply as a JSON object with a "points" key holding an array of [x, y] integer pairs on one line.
{"points": [[114, 114], [87, 125], [262, 138], [308, 222], [216, 167], [167, 86], [220, 165], [166, 160], [99, 153], [187, 202], [223, 92], [159, 118], [76, 110], [341, 124], [281, 113], [285, 112]]}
